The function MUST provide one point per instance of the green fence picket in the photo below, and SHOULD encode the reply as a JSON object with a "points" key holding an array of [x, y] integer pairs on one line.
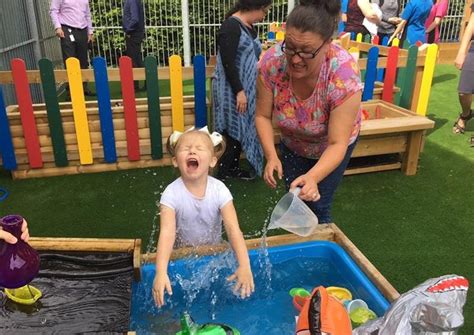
{"points": [[154, 113], [407, 86], [56, 130]]}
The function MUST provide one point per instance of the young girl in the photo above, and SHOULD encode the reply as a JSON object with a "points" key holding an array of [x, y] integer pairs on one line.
{"points": [[193, 207]]}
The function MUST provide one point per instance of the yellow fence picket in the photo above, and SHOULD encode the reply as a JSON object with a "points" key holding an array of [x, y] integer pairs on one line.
{"points": [[176, 83], [427, 79], [79, 110]]}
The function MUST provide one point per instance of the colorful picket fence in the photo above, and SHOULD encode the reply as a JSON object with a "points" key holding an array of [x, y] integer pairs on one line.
{"points": [[55, 143], [394, 76], [109, 135]]}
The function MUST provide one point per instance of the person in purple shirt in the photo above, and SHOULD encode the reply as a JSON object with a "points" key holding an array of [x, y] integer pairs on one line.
{"points": [[73, 25], [133, 23]]}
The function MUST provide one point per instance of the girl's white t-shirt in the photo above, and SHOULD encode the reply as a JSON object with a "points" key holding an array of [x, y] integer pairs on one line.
{"points": [[198, 220]]}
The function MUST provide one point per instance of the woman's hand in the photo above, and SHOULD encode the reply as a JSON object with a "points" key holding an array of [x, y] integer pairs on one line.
{"points": [[241, 102], [268, 174], [161, 282], [244, 286], [309, 187], [459, 61], [394, 20], [9, 238]]}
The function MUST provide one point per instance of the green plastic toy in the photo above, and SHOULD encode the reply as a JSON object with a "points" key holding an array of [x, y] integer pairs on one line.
{"points": [[189, 327]]}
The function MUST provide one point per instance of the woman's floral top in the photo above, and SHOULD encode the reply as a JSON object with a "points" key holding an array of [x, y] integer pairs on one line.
{"points": [[304, 123]]}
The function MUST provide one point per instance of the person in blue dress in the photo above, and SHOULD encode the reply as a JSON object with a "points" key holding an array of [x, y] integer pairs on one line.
{"points": [[413, 17], [234, 88]]}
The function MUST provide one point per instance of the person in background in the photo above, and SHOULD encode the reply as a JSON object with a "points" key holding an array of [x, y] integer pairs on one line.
{"points": [[9, 238], [390, 12], [133, 24], [73, 25], [413, 17], [193, 208], [234, 87], [437, 13], [465, 62], [312, 89], [357, 11]]}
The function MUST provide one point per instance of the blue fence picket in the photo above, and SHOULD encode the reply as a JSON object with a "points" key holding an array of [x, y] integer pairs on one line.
{"points": [[200, 107], [370, 74], [105, 109], [6, 142]]}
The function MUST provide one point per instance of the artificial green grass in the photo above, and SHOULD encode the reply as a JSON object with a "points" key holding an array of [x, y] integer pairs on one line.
{"points": [[410, 228]]}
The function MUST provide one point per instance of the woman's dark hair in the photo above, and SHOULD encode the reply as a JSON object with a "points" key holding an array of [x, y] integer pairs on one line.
{"points": [[316, 16], [247, 5]]}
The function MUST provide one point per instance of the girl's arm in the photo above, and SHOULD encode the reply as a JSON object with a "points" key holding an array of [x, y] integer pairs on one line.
{"points": [[465, 42], [341, 123], [245, 285], [263, 123], [163, 253]]}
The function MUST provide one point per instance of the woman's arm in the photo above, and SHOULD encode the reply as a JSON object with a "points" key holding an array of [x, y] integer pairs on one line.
{"points": [[245, 285], [163, 253], [263, 123], [369, 13], [465, 42], [436, 22], [397, 31], [341, 123]]}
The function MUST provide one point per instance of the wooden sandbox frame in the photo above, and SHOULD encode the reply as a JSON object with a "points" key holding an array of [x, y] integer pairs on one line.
{"points": [[328, 232]]}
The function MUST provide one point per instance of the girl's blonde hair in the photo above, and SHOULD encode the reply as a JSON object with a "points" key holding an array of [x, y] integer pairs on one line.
{"points": [[218, 149]]}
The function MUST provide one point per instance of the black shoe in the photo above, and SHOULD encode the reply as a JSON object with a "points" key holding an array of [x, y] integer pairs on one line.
{"points": [[241, 174], [89, 93]]}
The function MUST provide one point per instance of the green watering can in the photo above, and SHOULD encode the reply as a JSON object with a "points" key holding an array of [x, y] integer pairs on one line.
{"points": [[188, 327]]}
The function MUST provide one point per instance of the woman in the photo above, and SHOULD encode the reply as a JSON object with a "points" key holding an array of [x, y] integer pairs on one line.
{"points": [[233, 87], [390, 11], [437, 13], [414, 16], [465, 62], [312, 89]]}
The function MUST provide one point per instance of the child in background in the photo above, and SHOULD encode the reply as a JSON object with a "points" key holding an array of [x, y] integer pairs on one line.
{"points": [[193, 207]]}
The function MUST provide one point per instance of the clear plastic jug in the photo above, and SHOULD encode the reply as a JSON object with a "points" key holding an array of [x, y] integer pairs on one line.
{"points": [[293, 215]]}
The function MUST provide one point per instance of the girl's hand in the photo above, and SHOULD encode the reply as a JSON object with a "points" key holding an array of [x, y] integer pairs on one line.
{"points": [[244, 286], [309, 187], [161, 282], [9, 238], [241, 102], [268, 174]]}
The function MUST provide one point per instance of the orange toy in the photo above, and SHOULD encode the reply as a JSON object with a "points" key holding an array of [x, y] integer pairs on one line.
{"points": [[323, 313]]}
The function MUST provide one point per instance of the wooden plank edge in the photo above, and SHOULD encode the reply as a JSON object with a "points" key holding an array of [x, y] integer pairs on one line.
{"points": [[82, 244], [323, 232], [369, 269]]}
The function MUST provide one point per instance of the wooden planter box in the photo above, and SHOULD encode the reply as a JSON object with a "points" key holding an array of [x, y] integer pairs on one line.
{"points": [[391, 129], [378, 89], [328, 232], [49, 167]]}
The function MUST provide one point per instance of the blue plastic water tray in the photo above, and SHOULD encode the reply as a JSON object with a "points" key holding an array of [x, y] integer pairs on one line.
{"points": [[270, 308]]}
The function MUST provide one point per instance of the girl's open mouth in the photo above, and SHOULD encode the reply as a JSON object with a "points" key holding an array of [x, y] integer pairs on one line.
{"points": [[192, 163]]}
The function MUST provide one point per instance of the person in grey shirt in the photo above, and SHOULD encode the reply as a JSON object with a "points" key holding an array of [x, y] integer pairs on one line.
{"points": [[390, 12]]}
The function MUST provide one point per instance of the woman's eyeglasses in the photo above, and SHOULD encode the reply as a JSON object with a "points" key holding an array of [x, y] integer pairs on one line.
{"points": [[304, 55]]}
